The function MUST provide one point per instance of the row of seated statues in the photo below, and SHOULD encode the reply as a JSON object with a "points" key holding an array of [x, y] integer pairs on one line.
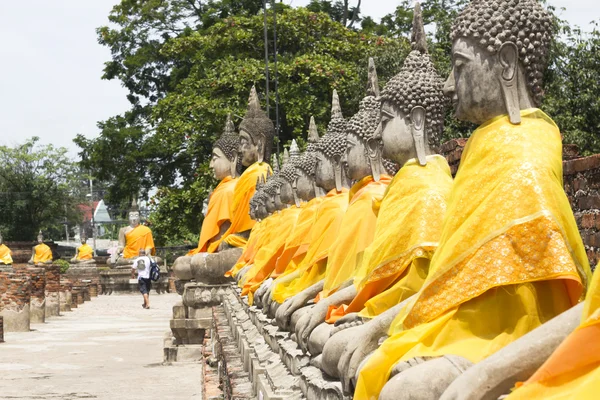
{"points": [[396, 278]]}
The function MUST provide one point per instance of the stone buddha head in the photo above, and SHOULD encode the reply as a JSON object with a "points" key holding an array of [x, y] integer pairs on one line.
{"points": [[256, 133], [224, 159], [40, 237], [270, 191], [258, 209], [364, 151], [499, 54], [83, 240], [412, 105], [134, 214], [331, 150], [305, 186], [288, 176]]}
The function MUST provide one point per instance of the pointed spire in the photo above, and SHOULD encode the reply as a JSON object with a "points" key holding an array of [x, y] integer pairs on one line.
{"points": [[286, 157], [373, 82], [294, 149], [336, 110], [253, 104], [313, 133], [229, 126], [418, 39], [134, 204], [275, 163]]}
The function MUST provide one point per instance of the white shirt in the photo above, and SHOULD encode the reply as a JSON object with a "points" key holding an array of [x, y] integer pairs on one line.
{"points": [[145, 272]]}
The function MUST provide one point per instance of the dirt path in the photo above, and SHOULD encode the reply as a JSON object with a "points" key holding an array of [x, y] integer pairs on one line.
{"points": [[109, 348]]}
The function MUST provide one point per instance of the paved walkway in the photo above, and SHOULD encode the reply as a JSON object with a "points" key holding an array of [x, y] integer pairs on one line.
{"points": [[109, 348]]}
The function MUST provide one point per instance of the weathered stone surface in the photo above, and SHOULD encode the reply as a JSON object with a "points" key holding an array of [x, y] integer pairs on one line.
{"points": [[15, 298]]}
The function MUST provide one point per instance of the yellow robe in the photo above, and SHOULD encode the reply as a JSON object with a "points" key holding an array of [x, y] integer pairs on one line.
{"points": [[510, 256], [250, 250], [240, 208], [296, 244], [266, 258], [218, 212], [408, 230], [573, 370], [359, 230], [139, 238], [85, 252], [43, 253], [5, 255], [323, 233], [270, 224]]}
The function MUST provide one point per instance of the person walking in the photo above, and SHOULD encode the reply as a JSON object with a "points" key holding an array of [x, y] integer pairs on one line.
{"points": [[142, 265]]}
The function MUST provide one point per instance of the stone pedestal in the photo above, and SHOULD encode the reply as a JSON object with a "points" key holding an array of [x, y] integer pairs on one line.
{"points": [[52, 290], [65, 297], [192, 320], [14, 301], [37, 313], [86, 274]]}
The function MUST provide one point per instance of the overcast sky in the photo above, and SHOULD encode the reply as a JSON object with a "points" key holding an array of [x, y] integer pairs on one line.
{"points": [[51, 64]]}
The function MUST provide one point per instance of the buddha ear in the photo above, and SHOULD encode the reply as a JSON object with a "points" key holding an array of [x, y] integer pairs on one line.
{"points": [[233, 166], [508, 56], [374, 156], [260, 146], [337, 172], [417, 117], [295, 192]]}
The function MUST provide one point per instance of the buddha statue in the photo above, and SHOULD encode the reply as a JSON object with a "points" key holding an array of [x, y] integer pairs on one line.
{"points": [[365, 167], [331, 177], [134, 240], [256, 138], [41, 253], [84, 253], [510, 257], [304, 190], [5, 253], [285, 218], [226, 166], [410, 216]]}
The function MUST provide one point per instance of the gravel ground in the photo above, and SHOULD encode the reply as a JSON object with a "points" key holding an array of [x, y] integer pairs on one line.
{"points": [[109, 348]]}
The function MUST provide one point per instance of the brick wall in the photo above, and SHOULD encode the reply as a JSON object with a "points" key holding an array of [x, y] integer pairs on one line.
{"points": [[581, 179], [14, 291], [52, 278]]}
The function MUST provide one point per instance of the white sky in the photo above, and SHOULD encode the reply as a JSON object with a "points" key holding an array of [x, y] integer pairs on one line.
{"points": [[51, 64]]}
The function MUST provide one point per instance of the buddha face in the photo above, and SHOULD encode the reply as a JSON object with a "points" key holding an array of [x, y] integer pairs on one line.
{"points": [[134, 218], [220, 164], [356, 158], [40, 239], [324, 172], [305, 187], [277, 199], [83, 241], [474, 85], [286, 194], [250, 151], [261, 211], [398, 143], [270, 204]]}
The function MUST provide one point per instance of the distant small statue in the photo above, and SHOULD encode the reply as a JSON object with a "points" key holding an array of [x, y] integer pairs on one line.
{"points": [[134, 240], [84, 253], [41, 253], [5, 253]]}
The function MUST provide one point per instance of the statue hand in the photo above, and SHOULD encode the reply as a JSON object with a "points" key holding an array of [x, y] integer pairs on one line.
{"points": [[316, 317], [290, 306], [281, 315], [366, 340]]}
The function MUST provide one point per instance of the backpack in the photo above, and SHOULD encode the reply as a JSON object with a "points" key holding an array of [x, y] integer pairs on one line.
{"points": [[154, 271]]}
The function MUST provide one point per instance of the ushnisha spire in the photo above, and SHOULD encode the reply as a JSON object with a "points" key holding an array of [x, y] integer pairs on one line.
{"points": [[275, 164], [418, 38], [134, 204], [336, 109], [313, 133], [254, 109], [229, 127], [372, 81], [286, 157], [294, 149]]}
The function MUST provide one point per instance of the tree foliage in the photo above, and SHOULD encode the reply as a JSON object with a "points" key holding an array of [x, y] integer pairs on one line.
{"points": [[187, 63], [38, 190]]}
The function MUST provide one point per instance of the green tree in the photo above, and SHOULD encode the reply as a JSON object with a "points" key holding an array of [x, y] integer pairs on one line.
{"points": [[185, 71], [39, 189]]}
